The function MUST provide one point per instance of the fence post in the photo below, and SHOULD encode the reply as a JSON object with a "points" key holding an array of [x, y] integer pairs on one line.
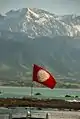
{"points": [[47, 116], [10, 115]]}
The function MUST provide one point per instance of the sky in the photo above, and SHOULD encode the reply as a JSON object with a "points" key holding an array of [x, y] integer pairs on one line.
{"points": [[59, 7]]}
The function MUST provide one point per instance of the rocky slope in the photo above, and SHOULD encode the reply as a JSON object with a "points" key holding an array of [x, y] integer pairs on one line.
{"points": [[29, 36]]}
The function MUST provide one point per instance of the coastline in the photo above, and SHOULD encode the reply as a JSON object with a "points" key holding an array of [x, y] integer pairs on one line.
{"points": [[39, 103]]}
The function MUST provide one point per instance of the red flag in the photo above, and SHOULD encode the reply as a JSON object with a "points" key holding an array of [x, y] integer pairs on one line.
{"points": [[42, 76]]}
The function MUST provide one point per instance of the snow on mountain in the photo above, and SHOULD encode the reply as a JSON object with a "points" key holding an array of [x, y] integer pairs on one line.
{"points": [[36, 22]]}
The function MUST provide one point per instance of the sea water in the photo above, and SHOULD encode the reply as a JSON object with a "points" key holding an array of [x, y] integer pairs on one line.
{"points": [[19, 92]]}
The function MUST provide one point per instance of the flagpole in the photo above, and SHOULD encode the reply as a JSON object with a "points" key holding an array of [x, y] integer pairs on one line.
{"points": [[31, 89], [31, 93], [31, 97]]}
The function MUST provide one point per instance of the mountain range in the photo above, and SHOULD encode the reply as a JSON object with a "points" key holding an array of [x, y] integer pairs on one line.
{"points": [[29, 36]]}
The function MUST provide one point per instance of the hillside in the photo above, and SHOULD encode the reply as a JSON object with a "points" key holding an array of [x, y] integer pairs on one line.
{"points": [[29, 36]]}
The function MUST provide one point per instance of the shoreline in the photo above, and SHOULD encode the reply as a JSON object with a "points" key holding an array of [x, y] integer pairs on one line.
{"points": [[39, 103]]}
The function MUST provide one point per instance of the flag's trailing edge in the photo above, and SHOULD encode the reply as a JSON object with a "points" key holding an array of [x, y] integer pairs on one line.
{"points": [[42, 76]]}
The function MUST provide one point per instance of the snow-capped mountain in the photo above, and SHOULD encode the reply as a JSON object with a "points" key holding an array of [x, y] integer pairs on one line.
{"points": [[36, 22], [54, 46]]}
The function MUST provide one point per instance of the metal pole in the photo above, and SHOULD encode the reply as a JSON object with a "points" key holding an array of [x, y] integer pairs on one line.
{"points": [[31, 97], [10, 114], [31, 89]]}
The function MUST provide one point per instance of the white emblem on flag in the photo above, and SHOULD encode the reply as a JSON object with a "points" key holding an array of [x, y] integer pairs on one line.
{"points": [[42, 75]]}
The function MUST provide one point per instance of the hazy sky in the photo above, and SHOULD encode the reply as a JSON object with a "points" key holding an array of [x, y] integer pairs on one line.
{"points": [[54, 6]]}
